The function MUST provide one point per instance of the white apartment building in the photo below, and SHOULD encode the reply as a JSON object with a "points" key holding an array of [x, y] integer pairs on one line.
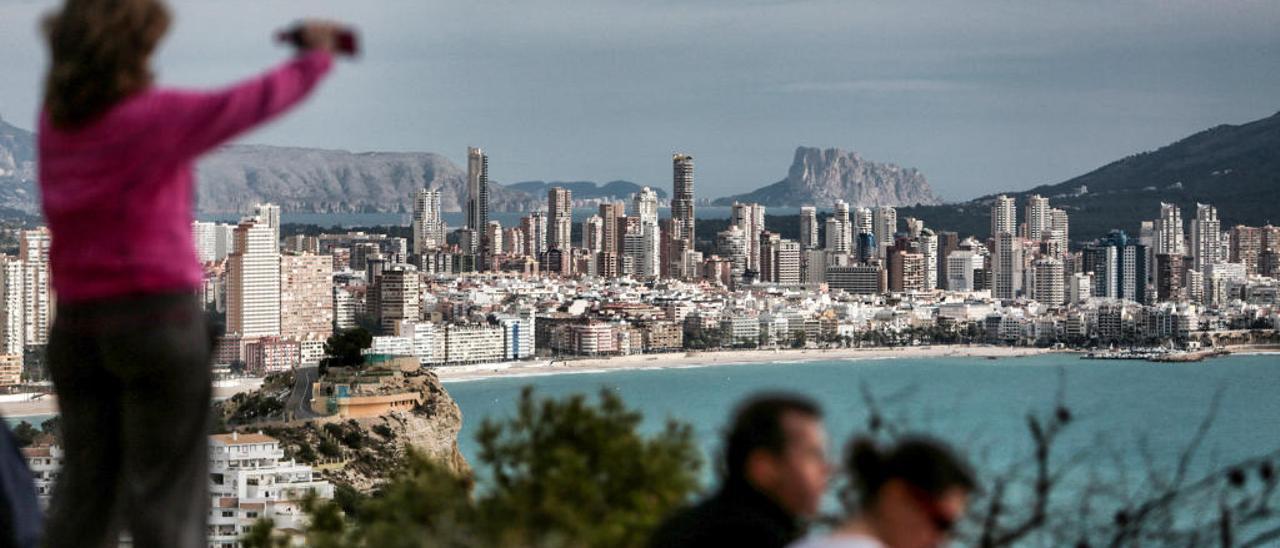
{"points": [[1038, 219], [1004, 216], [1049, 285], [399, 298], [253, 281], [467, 344], [1007, 266], [249, 479], [345, 306], [422, 337], [45, 462], [808, 227], [960, 267], [33, 251], [646, 251], [306, 295], [12, 306], [738, 329], [391, 345], [428, 227]]}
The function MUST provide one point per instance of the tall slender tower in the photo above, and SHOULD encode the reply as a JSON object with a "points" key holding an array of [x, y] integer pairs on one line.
{"points": [[1004, 216], [560, 217], [253, 281], [838, 229], [12, 290], [1038, 220], [1168, 231], [750, 218], [593, 234], [270, 215], [1206, 237], [682, 199], [477, 200], [33, 251], [534, 226], [647, 260], [1007, 268], [1060, 227], [885, 225], [613, 227], [808, 227], [428, 228]]}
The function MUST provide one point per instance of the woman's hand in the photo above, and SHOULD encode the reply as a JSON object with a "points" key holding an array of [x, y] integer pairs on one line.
{"points": [[320, 34]]}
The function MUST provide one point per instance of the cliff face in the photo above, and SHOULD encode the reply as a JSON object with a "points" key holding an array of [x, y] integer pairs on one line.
{"points": [[235, 177], [360, 453], [17, 171], [819, 177], [335, 181]]}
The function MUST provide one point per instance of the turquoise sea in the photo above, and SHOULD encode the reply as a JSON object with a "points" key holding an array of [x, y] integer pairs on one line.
{"points": [[1124, 412]]}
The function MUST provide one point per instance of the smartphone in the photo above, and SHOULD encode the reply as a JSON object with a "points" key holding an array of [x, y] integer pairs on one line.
{"points": [[348, 42]]}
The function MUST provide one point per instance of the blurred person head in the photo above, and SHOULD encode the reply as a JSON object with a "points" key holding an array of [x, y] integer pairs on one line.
{"points": [[913, 493], [778, 446], [99, 54]]}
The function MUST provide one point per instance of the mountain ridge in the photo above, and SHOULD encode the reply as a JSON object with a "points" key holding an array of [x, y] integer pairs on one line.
{"points": [[1234, 167]]}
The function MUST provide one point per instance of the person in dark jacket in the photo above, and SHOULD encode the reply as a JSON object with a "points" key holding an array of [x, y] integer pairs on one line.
{"points": [[776, 469], [21, 521]]}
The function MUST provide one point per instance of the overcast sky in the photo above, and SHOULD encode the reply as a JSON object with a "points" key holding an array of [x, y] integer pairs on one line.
{"points": [[981, 95]]}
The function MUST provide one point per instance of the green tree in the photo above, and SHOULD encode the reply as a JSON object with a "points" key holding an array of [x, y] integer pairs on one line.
{"points": [[53, 427], [563, 472], [25, 434], [569, 470], [343, 349]]}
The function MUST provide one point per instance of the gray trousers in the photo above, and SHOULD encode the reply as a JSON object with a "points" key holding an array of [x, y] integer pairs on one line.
{"points": [[133, 381]]}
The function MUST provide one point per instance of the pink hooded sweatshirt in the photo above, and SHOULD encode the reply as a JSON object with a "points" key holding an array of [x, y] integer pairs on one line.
{"points": [[118, 193]]}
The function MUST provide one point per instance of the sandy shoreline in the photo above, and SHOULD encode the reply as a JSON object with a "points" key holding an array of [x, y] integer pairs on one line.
{"points": [[47, 405], [677, 360]]}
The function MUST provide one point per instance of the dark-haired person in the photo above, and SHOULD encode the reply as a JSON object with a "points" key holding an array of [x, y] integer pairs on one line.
{"points": [[910, 496], [129, 349], [775, 473]]}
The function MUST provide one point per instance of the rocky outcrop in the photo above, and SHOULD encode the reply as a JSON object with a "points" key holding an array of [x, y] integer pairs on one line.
{"points": [[360, 453], [819, 177]]}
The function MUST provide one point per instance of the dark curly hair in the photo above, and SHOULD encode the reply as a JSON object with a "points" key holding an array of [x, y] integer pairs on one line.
{"points": [[99, 54]]}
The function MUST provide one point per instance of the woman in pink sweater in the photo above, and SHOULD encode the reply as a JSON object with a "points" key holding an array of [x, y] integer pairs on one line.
{"points": [[129, 349]]}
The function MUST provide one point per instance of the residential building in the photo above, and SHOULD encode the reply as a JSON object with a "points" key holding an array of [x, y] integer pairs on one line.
{"points": [[253, 280]]}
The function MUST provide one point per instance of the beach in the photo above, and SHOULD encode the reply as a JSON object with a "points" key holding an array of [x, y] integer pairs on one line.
{"points": [[674, 360]]}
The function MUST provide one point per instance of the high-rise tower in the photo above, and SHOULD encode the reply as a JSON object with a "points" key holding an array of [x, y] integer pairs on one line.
{"points": [[477, 200], [682, 197], [560, 218]]}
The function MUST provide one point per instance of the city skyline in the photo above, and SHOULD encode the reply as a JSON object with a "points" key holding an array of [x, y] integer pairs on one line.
{"points": [[338, 318], [1044, 96]]}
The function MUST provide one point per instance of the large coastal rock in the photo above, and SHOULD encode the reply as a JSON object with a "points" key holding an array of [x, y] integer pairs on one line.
{"points": [[819, 177], [361, 453]]}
